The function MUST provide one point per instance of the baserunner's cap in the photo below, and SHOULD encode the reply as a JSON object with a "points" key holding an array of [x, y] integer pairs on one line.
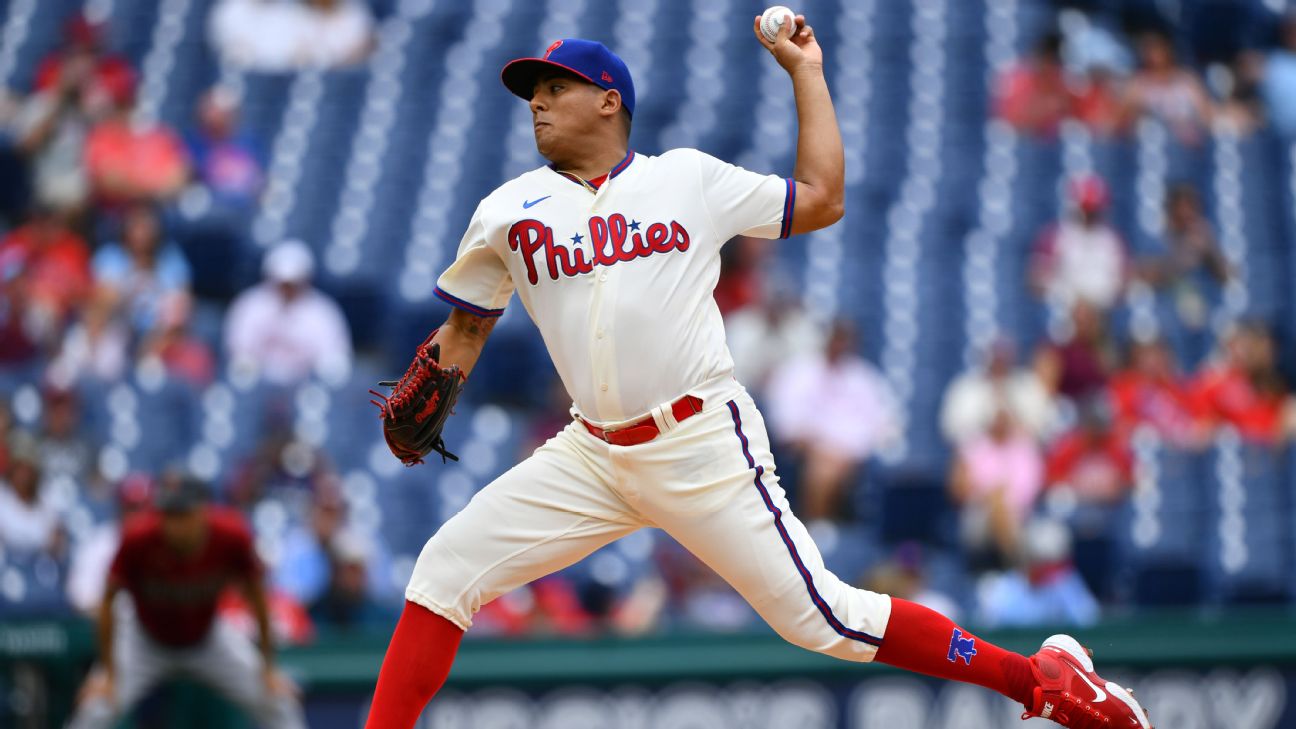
{"points": [[589, 60], [182, 497]]}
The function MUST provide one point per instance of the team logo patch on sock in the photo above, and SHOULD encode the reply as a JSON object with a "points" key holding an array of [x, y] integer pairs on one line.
{"points": [[961, 647]]}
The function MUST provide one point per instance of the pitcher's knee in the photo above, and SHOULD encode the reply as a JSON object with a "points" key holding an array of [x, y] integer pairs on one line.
{"points": [[442, 583], [848, 626]]}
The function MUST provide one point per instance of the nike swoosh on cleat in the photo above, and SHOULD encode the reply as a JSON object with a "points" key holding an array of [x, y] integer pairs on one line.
{"points": [[1099, 694], [530, 203]]}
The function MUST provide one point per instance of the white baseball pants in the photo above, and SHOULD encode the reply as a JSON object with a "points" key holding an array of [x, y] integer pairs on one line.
{"points": [[708, 482]]}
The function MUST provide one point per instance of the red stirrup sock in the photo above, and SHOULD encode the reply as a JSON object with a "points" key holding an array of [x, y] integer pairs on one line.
{"points": [[924, 641], [417, 662]]}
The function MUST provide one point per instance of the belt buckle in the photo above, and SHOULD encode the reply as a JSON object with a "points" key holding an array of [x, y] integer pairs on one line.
{"points": [[607, 435]]}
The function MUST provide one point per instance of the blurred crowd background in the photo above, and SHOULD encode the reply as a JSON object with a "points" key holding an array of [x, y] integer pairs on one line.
{"points": [[1038, 375]]}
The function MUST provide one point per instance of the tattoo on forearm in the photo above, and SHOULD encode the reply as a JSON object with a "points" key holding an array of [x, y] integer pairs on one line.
{"points": [[475, 327], [481, 328]]}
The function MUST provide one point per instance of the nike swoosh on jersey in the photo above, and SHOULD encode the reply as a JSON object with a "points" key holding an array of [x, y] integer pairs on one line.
{"points": [[526, 204]]}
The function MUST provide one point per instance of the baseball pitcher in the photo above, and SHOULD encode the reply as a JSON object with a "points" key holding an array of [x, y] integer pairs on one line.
{"points": [[615, 256]]}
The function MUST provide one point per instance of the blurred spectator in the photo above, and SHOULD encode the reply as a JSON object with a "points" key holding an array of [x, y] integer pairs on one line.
{"points": [[260, 35], [1098, 101], [1164, 90], [22, 329], [1081, 257], [762, 337], [1192, 257], [975, 397], [640, 609], [136, 276], [56, 265], [1048, 590], [1093, 41], [267, 35], [184, 356], [303, 568], [290, 623], [97, 348], [283, 467], [1243, 109], [549, 605], [1278, 81], [82, 45], [1244, 389], [226, 161], [1093, 461], [51, 128], [741, 284], [129, 160], [833, 409], [347, 602], [903, 575], [29, 523], [1151, 391], [64, 449], [337, 32], [1033, 95], [286, 329], [995, 480], [1080, 364], [88, 572], [309, 553]]}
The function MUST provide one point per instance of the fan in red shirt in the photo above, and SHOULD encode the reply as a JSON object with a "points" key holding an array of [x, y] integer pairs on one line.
{"points": [[82, 38], [175, 564], [1093, 461], [128, 161], [1245, 390], [57, 263], [1150, 391], [1033, 95]]}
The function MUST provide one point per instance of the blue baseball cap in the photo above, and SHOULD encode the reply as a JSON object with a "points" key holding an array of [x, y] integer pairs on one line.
{"points": [[587, 59]]}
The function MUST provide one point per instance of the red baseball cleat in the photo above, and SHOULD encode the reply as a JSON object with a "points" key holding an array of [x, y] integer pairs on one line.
{"points": [[1071, 694]]}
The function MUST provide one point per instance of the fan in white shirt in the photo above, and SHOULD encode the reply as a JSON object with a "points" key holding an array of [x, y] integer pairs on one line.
{"points": [[1082, 257], [28, 521], [285, 329]]}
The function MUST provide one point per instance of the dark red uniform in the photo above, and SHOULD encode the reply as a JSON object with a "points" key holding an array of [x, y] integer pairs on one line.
{"points": [[175, 595]]}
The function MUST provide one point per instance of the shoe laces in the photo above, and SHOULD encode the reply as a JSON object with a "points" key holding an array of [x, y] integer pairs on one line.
{"points": [[1077, 713]]}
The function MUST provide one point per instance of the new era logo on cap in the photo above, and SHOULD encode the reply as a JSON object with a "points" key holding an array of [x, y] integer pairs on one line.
{"points": [[586, 59]]}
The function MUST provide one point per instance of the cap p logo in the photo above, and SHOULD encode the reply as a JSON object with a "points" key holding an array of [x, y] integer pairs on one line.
{"points": [[607, 77], [552, 48]]}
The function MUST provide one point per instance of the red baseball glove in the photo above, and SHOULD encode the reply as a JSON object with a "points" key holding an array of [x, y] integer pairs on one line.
{"points": [[419, 405]]}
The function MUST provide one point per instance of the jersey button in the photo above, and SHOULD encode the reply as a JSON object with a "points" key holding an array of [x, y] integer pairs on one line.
{"points": [[603, 387], [603, 277], [599, 334]]}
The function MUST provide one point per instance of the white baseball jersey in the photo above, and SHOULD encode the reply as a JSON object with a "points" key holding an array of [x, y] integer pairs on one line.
{"points": [[620, 281]]}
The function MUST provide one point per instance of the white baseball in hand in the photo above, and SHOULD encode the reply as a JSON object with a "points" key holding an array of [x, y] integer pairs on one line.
{"points": [[773, 19]]}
